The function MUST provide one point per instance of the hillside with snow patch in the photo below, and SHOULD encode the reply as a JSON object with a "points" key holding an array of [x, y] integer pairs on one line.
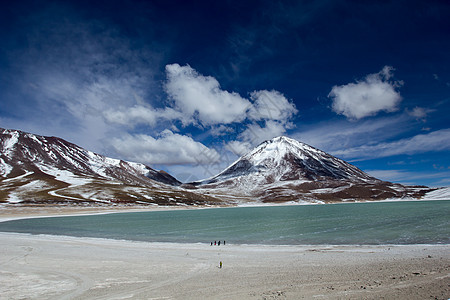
{"points": [[41, 170]]}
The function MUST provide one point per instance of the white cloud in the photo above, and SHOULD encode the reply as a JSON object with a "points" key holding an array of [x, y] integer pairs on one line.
{"points": [[385, 73], [169, 148], [271, 105], [434, 141], [255, 134], [239, 148], [132, 115], [221, 130], [419, 113], [271, 113], [367, 97], [140, 114], [200, 97]]}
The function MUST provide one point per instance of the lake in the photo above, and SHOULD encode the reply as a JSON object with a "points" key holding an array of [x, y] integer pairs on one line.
{"points": [[403, 222]]}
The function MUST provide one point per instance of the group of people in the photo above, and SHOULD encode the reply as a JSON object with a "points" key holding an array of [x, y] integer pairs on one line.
{"points": [[217, 243]]}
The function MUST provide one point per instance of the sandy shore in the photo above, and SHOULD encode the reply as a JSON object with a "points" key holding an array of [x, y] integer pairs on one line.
{"points": [[50, 267], [10, 212], [55, 267]]}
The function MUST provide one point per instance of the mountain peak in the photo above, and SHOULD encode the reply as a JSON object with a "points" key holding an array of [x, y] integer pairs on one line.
{"points": [[281, 145], [280, 140], [285, 159]]}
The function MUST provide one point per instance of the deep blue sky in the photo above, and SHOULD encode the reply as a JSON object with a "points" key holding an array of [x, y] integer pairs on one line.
{"points": [[186, 86]]}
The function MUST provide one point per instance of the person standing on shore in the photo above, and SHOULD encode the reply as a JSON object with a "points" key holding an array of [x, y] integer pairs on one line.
{"points": [[220, 265]]}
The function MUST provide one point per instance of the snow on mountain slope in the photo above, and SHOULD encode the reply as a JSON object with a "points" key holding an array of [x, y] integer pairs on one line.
{"points": [[438, 194]]}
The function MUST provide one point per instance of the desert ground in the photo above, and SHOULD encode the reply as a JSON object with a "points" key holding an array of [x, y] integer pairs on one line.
{"points": [[60, 267]]}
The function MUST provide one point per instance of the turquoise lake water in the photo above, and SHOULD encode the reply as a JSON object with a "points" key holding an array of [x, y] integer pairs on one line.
{"points": [[409, 222]]}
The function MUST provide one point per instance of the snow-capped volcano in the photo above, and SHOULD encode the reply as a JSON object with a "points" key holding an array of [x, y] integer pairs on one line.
{"points": [[283, 159], [284, 169]]}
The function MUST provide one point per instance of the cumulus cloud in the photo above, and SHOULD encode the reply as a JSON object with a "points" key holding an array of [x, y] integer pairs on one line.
{"points": [[239, 148], [269, 116], [201, 97], [201, 100], [198, 99], [271, 105], [168, 148], [140, 114], [132, 115], [367, 97], [255, 134]]}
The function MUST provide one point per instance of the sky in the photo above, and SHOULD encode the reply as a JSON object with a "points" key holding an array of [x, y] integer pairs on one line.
{"points": [[189, 86]]}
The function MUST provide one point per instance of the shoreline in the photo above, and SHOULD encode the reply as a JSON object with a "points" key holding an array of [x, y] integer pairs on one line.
{"points": [[215, 247], [60, 267], [29, 212]]}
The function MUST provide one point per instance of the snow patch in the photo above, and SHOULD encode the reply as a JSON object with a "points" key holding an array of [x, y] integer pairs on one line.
{"points": [[439, 194], [14, 198], [9, 143], [64, 175], [24, 191], [140, 168], [18, 177], [5, 169]]}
